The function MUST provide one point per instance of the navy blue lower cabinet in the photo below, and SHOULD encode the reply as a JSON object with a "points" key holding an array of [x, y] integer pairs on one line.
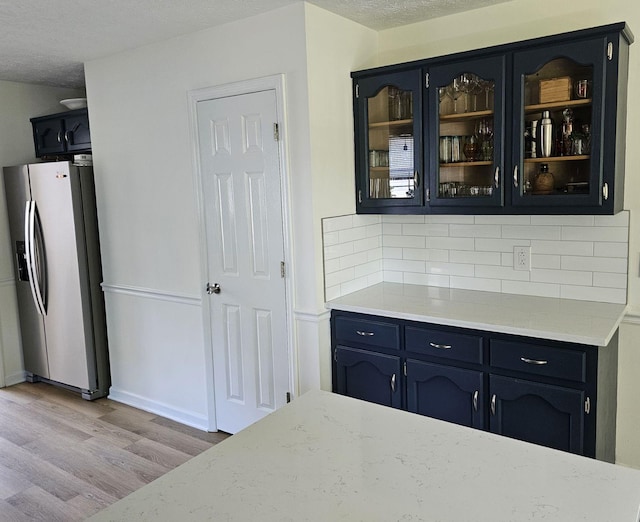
{"points": [[446, 393], [545, 414], [370, 376]]}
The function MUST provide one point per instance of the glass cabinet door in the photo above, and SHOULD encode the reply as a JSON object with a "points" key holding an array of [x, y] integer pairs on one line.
{"points": [[466, 114], [557, 134], [390, 142]]}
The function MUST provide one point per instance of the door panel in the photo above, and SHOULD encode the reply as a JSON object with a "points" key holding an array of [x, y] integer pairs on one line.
{"points": [[370, 376], [446, 393], [245, 247], [552, 416]]}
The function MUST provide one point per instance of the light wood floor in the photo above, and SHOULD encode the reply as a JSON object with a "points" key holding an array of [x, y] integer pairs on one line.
{"points": [[63, 458]]}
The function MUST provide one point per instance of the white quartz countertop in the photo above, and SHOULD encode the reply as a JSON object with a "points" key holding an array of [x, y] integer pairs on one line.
{"points": [[583, 322], [326, 457]]}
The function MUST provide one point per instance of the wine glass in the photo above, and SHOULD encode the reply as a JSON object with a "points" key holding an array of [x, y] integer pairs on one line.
{"points": [[469, 84], [487, 86], [454, 91]]}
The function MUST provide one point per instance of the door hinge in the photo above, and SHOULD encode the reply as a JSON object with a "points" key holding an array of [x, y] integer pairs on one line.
{"points": [[276, 132], [610, 51], [357, 90], [587, 406], [404, 368], [426, 80], [282, 272], [288, 397]]}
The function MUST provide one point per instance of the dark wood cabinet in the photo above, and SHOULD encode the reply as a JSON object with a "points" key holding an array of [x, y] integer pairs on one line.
{"points": [[61, 134], [533, 127], [557, 394]]}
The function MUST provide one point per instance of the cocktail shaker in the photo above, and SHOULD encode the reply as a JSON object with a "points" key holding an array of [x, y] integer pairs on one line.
{"points": [[545, 131]]}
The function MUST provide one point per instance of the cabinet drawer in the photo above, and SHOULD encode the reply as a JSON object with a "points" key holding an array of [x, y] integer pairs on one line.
{"points": [[461, 347], [373, 333], [539, 360]]}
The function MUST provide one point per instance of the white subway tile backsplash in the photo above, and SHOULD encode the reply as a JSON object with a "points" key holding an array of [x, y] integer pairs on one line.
{"points": [[529, 288], [475, 283], [476, 258], [568, 248], [610, 280], [584, 221], [531, 232], [404, 241], [404, 265], [544, 261], [426, 279], [499, 245], [451, 243], [616, 234], [568, 277], [594, 264], [475, 231], [576, 257], [611, 250]]}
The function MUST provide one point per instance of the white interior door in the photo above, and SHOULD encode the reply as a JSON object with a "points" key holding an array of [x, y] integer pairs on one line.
{"points": [[240, 172]]}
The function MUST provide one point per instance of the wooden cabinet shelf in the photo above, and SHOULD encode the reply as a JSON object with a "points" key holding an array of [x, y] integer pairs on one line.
{"points": [[392, 123], [569, 104], [556, 159], [465, 116], [467, 164]]}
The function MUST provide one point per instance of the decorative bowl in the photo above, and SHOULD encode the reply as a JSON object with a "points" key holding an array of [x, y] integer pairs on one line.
{"points": [[74, 103]]}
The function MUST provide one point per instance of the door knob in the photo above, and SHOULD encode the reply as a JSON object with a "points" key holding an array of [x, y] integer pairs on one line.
{"points": [[213, 288]]}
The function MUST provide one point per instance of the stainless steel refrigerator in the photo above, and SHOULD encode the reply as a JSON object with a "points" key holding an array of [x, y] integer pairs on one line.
{"points": [[54, 236]]}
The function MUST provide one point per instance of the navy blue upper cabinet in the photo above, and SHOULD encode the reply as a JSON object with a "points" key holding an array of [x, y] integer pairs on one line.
{"points": [[387, 112], [533, 127], [62, 134]]}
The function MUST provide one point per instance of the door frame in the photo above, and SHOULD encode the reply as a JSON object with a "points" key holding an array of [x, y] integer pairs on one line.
{"points": [[268, 83]]}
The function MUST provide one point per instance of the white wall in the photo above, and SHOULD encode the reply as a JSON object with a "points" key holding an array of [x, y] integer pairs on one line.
{"points": [[18, 103], [147, 206], [519, 20]]}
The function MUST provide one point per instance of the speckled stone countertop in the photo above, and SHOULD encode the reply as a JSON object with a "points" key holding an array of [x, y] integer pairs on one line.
{"points": [[584, 322], [326, 457]]}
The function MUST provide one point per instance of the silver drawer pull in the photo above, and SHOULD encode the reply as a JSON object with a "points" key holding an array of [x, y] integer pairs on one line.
{"points": [[533, 361], [364, 334], [440, 346]]}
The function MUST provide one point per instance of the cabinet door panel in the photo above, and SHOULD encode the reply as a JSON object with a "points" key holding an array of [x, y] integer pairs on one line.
{"points": [[76, 134], [388, 133], [369, 376], [48, 136], [466, 133], [543, 414], [565, 169], [446, 393]]}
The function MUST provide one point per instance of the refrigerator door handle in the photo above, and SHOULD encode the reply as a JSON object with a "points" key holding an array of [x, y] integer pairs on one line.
{"points": [[32, 261]]}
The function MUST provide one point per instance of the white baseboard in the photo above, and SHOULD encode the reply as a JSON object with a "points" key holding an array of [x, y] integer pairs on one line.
{"points": [[183, 417], [15, 378]]}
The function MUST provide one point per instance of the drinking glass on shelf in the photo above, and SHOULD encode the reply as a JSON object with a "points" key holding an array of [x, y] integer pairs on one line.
{"points": [[487, 86], [470, 86], [454, 91]]}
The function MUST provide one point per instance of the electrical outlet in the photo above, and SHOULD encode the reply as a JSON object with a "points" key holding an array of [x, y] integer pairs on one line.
{"points": [[522, 258]]}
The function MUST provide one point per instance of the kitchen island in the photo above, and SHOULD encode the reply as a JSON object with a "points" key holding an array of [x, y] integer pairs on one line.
{"points": [[327, 457]]}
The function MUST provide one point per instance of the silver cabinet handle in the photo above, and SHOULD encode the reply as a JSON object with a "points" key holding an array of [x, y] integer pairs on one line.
{"points": [[416, 179], [440, 346], [496, 177], [493, 404], [59, 136], [533, 361], [393, 383], [515, 176], [364, 334], [475, 400]]}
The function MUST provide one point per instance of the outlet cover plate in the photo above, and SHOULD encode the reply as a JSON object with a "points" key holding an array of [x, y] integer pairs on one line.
{"points": [[522, 258]]}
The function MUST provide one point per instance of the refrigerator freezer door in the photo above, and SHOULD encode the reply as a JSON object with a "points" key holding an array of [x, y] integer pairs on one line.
{"points": [[16, 181], [55, 188]]}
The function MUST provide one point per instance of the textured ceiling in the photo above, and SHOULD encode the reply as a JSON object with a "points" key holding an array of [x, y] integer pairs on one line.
{"points": [[48, 41]]}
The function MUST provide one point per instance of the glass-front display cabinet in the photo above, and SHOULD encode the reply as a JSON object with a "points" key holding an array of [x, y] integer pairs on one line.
{"points": [[558, 125], [466, 133], [389, 140]]}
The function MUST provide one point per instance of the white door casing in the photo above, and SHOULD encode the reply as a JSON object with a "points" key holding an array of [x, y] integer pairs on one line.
{"points": [[243, 216]]}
